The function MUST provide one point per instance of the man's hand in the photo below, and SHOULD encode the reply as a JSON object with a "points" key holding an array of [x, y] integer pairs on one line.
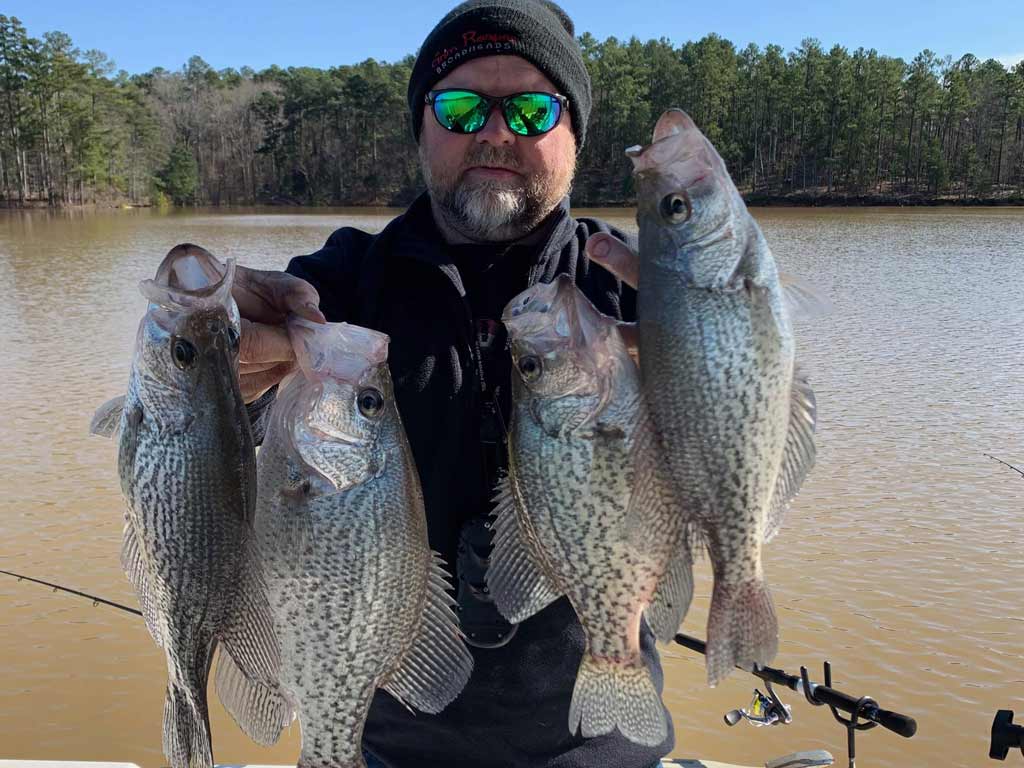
{"points": [[264, 300], [617, 258]]}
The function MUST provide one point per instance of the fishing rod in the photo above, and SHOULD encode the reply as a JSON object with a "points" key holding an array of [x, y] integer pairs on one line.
{"points": [[1018, 471], [768, 710], [864, 712], [58, 588]]}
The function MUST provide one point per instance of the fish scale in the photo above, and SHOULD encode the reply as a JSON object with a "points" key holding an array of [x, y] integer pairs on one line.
{"points": [[359, 600], [563, 522], [735, 419], [186, 462]]}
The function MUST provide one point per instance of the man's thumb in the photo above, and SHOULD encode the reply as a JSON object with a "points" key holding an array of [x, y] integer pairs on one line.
{"points": [[615, 256]]}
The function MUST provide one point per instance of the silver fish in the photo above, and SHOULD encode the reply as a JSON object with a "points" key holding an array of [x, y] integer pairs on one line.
{"points": [[360, 601], [187, 467], [562, 525], [717, 360]]}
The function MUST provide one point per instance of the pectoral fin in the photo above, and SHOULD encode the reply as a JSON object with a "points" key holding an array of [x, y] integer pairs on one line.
{"points": [[107, 418], [803, 300]]}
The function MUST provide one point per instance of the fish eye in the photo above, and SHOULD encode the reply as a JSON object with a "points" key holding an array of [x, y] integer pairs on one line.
{"points": [[370, 402], [530, 367], [233, 338], [676, 208], [183, 352]]}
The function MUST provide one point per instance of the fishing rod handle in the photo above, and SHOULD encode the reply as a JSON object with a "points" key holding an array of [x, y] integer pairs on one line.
{"points": [[904, 725], [901, 724]]}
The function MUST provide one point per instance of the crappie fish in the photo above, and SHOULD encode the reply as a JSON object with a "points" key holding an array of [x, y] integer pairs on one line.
{"points": [[359, 599], [561, 526], [735, 416], [187, 467]]}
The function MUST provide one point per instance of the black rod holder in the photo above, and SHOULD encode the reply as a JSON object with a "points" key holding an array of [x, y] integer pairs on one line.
{"points": [[862, 707], [1005, 735]]}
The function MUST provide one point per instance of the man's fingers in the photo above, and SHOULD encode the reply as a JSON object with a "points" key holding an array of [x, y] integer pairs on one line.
{"points": [[631, 337], [616, 257], [244, 369], [261, 343], [253, 385], [268, 297]]}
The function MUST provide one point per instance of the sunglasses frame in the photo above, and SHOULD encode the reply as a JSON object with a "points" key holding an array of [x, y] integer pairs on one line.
{"points": [[490, 101]]}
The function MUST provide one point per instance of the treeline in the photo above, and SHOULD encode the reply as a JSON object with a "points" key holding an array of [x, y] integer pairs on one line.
{"points": [[810, 122]]}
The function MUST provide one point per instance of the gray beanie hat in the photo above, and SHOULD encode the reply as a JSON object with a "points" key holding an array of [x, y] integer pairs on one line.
{"points": [[536, 30]]}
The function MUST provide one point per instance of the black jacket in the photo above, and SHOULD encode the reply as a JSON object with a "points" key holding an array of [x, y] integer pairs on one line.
{"points": [[404, 282]]}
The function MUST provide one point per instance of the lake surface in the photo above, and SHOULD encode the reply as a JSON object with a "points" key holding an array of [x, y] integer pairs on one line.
{"points": [[899, 562]]}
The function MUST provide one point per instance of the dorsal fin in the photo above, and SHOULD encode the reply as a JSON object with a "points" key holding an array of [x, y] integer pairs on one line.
{"points": [[437, 666], [798, 455]]}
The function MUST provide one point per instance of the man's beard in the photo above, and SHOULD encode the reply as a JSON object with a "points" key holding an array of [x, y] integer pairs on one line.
{"points": [[492, 210]]}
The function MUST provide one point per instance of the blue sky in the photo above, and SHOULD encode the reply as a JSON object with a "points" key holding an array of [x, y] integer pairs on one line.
{"points": [[319, 33]]}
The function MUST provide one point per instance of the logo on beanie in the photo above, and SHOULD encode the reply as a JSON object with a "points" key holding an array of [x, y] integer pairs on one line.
{"points": [[473, 42], [473, 37]]}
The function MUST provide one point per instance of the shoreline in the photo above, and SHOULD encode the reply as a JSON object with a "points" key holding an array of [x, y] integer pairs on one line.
{"points": [[802, 200], [758, 200]]}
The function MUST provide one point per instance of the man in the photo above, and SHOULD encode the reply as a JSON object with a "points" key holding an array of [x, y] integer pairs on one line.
{"points": [[495, 219]]}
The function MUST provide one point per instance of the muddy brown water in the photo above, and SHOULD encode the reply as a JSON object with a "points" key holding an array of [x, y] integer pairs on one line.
{"points": [[899, 562]]}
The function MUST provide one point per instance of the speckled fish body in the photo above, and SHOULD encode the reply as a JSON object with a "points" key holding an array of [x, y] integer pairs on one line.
{"points": [[359, 599], [717, 363], [187, 468], [562, 529]]}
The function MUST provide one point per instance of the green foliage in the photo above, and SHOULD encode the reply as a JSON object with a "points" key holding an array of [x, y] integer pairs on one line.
{"points": [[810, 121], [179, 178]]}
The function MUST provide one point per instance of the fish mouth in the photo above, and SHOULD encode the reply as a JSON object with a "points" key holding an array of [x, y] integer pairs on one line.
{"points": [[188, 267], [336, 437], [556, 316], [339, 351], [191, 278]]}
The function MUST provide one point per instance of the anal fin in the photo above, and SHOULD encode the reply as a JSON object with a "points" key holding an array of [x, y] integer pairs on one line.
{"points": [[437, 665], [654, 515], [518, 584], [249, 635], [672, 596], [261, 710]]}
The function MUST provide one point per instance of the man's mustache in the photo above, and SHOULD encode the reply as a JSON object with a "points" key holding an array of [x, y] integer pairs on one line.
{"points": [[496, 157]]}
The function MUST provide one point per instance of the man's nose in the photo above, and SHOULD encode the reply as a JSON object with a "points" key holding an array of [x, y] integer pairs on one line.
{"points": [[495, 130]]}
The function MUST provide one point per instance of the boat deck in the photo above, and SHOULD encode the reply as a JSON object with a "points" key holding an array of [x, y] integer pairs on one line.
{"points": [[798, 760]]}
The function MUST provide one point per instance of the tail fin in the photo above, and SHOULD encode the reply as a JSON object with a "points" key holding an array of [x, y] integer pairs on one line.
{"points": [[305, 762], [742, 628], [186, 729], [610, 694]]}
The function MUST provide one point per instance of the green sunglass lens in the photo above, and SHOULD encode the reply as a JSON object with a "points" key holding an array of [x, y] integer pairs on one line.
{"points": [[460, 111], [532, 113]]}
